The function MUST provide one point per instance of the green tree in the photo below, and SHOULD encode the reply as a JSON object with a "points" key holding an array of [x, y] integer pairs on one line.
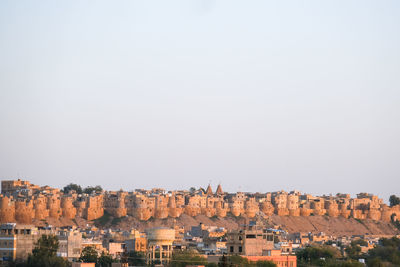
{"points": [[135, 258], [71, 186], [236, 260], [315, 253], [347, 263], [353, 251], [317, 256], [386, 253], [265, 264], [394, 200], [105, 260], [187, 257], [45, 253], [89, 254], [47, 245], [223, 261], [91, 189], [396, 223], [376, 262], [360, 242]]}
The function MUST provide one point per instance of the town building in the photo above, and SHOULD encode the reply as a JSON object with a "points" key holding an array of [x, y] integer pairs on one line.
{"points": [[70, 243], [159, 245], [253, 240], [255, 243]]}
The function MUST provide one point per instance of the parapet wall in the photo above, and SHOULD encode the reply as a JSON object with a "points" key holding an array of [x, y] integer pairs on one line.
{"points": [[24, 206]]}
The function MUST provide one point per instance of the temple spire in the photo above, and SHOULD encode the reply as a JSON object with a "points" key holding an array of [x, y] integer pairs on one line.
{"points": [[219, 190], [209, 190]]}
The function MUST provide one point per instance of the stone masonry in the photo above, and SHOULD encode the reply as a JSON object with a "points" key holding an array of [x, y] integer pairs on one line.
{"points": [[23, 202]]}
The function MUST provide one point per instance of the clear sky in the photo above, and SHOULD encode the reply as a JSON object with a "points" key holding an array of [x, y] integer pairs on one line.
{"points": [[255, 95]]}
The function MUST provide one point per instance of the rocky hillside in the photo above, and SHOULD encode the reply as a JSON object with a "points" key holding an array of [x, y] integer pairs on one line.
{"points": [[332, 226]]}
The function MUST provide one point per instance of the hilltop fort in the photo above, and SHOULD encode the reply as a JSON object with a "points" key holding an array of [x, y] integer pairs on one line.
{"points": [[22, 202]]}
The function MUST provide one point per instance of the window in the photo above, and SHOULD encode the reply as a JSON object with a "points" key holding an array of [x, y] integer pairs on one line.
{"points": [[231, 249], [240, 248]]}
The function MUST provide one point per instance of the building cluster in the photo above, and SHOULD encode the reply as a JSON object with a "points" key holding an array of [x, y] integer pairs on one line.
{"points": [[21, 201], [254, 241], [155, 245], [18, 240]]}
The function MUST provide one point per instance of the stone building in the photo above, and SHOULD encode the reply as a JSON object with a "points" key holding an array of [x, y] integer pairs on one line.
{"points": [[70, 243], [24, 202], [138, 244], [159, 245], [253, 240], [17, 241], [256, 243]]}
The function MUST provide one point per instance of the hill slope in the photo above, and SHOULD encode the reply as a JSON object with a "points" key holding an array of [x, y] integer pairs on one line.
{"points": [[329, 225], [332, 226]]}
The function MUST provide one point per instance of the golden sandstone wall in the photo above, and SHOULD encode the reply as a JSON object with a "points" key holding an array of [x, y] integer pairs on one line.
{"points": [[26, 210], [35, 203]]}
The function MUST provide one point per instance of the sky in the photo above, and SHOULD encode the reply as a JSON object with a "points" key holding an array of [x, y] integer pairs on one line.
{"points": [[259, 96]]}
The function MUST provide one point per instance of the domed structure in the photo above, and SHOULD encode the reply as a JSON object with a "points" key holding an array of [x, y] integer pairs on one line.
{"points": [[159, 243]]}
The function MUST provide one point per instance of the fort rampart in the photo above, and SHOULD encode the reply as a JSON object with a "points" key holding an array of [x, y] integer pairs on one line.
{"points": [[23, 202]]}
